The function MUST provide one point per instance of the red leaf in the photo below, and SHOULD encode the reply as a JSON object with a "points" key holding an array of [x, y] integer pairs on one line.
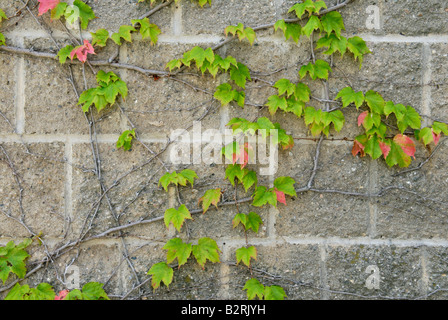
{"points": [[362, 117], [242, 157], [436, 136], [358, 148], [82, 51], [385, 148], [406, 144], [280, 196], [46, 5], [62, 295]]}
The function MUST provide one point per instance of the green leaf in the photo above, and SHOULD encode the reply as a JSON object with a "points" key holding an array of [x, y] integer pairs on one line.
{"points": [[59, 11], [161, 272], [320, 70], [285, 185], [174, 64], [85, 13], [250, 179], [125, 140], [2, 40], [275, 102], [123, 33], [245, 254], [397, 109], [336, 117], [234, 171], [307, 6], [334, 43], [189, 175], [254, 289], [373, 148], [375, 102], [410, 118], [439, 127], [240, 74], [332, 22], [274, 293], [177, 217], [226, 94], [206, 249], [198, 55], [263, 196], [348, 96], [64, 53], [210, 197], [290, 30], [302, 92], [94, 291], [312, 24], [100, 37], [285, 86], [3, 15], [358, 47], [241, 32], [425, 135], [147, 29], [249, 221], [12, 259], [179, 250], [43, 291]]}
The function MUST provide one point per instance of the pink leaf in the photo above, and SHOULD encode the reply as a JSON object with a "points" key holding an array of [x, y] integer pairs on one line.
{"points": [[82, 51], [46, 5], [436, 136], [62, 295], [406, 144], [281, 197], [385, 148], [362, 117]]}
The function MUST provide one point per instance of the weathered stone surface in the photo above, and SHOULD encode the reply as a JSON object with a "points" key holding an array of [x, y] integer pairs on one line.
{"points": [[399, 271], [42, 178], [7, 93], [222, 13]]}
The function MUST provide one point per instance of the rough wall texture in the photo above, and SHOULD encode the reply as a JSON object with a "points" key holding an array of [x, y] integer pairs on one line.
{"points": [[317, 247]]}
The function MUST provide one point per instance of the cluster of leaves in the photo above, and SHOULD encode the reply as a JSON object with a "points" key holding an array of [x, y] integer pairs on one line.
{"points": [[241, 32], [12, 260], [206, 248], [264, 127], [180, 178], [106, 93], [44, 291], [396, 150], [255, 289], [330, 25], [78, 11]]}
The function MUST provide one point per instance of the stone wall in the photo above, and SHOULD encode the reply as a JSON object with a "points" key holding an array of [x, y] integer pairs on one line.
{"points": [[319, 246]]}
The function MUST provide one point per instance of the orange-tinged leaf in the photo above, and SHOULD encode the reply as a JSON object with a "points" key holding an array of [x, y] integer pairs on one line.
{"points": [[406, 144], [211, 197], [358, 148]]}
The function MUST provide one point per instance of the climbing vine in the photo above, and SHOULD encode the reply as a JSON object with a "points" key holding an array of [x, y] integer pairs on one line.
{"points": [[392, 131]]}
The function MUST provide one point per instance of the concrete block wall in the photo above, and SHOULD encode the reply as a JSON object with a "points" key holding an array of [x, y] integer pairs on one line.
{"points": [[320, 246]]}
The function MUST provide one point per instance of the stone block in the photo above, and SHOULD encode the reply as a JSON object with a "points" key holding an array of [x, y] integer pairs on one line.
{"points": [[42, 178], [398, 270]]}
